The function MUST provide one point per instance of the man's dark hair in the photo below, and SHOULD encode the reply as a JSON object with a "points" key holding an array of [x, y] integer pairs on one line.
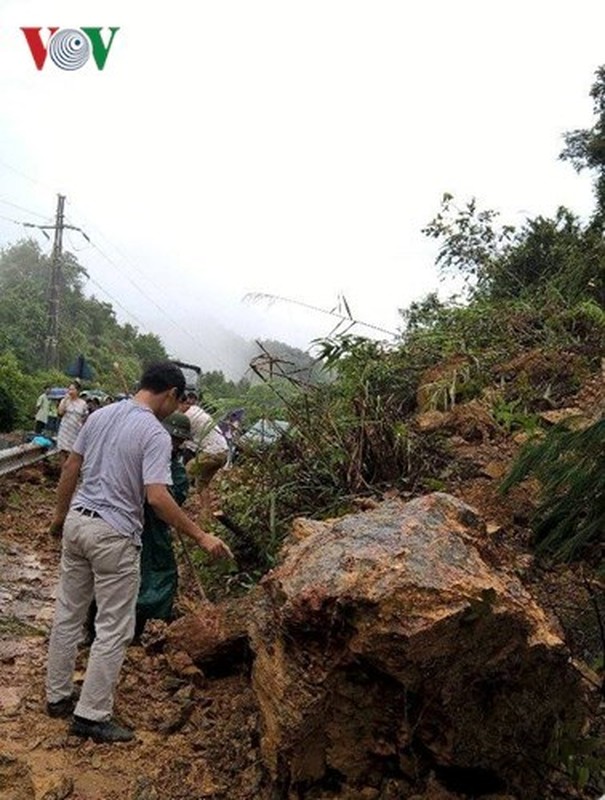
{"points": [[161, 376]]}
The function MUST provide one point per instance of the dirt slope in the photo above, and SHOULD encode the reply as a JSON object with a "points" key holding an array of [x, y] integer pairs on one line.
{"points": [[198, 737]]}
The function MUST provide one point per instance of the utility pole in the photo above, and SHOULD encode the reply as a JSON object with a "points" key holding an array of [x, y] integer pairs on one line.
{"points": [[52, 331]]}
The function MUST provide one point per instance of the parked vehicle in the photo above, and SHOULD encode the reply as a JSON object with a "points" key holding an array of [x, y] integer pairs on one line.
{"points": [[264, 433], [57, 393], [88, 394]]}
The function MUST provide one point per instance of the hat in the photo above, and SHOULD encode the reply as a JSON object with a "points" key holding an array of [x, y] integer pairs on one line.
{"points": [[178, 425]]}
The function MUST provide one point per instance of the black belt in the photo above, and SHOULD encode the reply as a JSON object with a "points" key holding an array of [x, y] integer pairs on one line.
{"points": [[87, 512]]}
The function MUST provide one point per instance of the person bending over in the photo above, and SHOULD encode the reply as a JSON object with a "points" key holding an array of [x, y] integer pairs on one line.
{"points": [[121, 458]]}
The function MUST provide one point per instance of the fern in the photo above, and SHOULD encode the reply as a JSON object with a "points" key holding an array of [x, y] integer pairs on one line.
{"points": [[570, 466]]}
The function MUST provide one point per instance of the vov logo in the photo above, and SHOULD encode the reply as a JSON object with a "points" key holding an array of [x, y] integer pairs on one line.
{"points": [[69, 48]]}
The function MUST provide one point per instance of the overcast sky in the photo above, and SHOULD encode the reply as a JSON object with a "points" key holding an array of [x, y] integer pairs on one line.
{"points": [[288, 148]]}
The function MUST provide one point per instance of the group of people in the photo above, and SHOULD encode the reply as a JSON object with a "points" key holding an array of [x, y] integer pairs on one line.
{"points": [[117, 498], [210, 445]]}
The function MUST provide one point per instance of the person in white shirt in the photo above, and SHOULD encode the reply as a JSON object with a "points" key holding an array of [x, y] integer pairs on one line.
{"points": [[207, 449], [42, 410]]}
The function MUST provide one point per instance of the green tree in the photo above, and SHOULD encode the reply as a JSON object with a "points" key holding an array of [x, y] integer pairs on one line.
{"points": [[23, 289], [545, 256], [86, 325], [585, 147], [19, 393], [214, 385], [472, 241]]}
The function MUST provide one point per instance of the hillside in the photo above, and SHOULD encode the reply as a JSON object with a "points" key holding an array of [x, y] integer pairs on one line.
{"points": [[198, 737], [395, 624]]}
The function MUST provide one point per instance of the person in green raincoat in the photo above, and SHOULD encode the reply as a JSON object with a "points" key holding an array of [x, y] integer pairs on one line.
{"points": [[159, 574]]}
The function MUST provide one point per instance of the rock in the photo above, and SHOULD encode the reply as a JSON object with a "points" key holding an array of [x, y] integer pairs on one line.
{"points": [[469, 422], [10, 699], [430, 421], [215, 636], [15, 779], [473, 421], [62, 789], [492, 528], [384, 638], [574, 417], [494, 469], [182, 665], [552, 374], [144, 790]]}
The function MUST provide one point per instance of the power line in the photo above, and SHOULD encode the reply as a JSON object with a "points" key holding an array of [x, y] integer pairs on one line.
{"points": [[203, 345], [18, 222], [22, 208], [191, 336], [117, 302], [272, 298], [27, 177], [53, 301]]}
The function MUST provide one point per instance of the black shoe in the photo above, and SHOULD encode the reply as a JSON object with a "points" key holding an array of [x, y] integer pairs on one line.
{"points": [[64, 707], [100, 731]]}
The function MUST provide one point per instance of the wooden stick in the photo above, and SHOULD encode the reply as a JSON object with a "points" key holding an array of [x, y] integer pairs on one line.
{"points": [[194, 572]]}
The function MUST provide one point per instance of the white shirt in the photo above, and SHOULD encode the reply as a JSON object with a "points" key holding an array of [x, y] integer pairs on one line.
{"points": [[205, 436]]}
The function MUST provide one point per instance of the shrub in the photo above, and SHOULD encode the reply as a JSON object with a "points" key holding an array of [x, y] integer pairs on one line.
{"points": [[571, 468]]}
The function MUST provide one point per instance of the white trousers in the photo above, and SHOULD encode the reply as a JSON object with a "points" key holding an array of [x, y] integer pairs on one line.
{"points": [[99, 562]]}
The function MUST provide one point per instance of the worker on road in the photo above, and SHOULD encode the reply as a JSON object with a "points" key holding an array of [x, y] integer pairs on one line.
{"points": [[159, 573], [122, 456]]}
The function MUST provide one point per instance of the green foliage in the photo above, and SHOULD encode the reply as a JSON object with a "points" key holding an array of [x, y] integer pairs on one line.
{"points": [[19, 391], [553, 255], [86, 325], [350, 435], [214, 385], [544, 257], [472, 241], [347, 437], [585, 148], [581, 756], [583, 323], [532, 324], [267, 400], [571, 468], [514, 417], [23, 286], [8, 411]]}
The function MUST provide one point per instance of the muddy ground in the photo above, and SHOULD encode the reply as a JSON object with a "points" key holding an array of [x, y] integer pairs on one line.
{"points": [[198, 736]]}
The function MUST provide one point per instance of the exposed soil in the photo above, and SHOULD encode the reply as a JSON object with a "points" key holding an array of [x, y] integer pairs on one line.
{"points": [[198, 737], [195, 738]]}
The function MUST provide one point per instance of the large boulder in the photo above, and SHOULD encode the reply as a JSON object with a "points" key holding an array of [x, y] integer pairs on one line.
{"points": [[385, 646]]}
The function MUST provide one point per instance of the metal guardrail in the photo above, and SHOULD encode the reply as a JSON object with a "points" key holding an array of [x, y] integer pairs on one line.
{"points": [[13, 458]]}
